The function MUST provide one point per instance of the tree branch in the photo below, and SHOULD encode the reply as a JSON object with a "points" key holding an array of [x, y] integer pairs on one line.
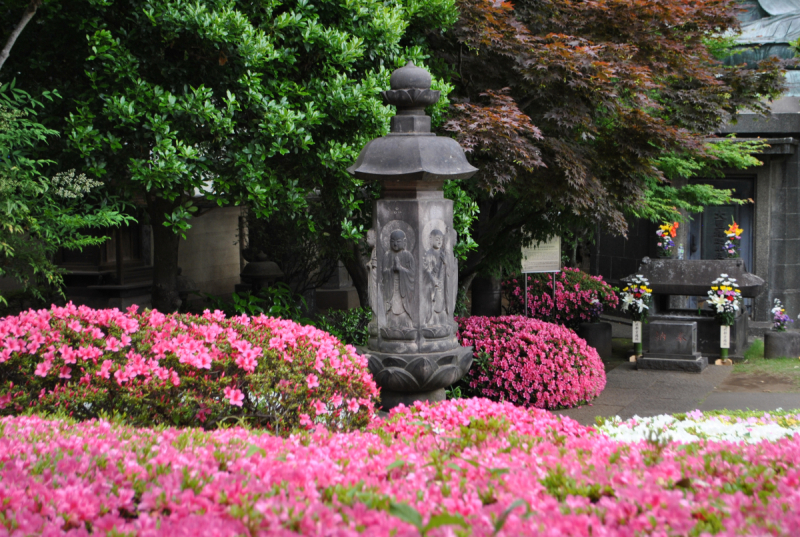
{"points": [[30, 11]]}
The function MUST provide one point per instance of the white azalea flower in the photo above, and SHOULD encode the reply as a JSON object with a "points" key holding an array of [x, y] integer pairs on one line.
{"points": [[696, 427]]}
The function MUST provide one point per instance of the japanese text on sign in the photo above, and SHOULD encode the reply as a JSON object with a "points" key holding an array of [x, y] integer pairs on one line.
{"points": [[724, 337], [637, 332], [544, 257]]}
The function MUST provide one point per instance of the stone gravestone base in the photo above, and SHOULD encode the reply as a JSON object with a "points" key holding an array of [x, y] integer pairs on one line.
{"points": [[599, 336], [781, 344], [673, 346]]}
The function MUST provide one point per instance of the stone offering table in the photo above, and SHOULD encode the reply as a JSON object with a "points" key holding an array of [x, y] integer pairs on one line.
{"points": [[413, 275], [663, 349]]}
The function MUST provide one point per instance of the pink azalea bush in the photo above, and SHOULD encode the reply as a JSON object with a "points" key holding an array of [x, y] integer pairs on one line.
{"points": [[183, 370], [465, 467], [580, 297], [530, 362]]}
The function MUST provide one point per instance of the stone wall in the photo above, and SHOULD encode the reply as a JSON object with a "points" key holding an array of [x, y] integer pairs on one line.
{"points": [[615, 257], [210, 253]]}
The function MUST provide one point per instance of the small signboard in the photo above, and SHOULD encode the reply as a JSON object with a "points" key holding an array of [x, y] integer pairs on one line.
{"points": [[637, 332], [724, 337], [544, 257]]}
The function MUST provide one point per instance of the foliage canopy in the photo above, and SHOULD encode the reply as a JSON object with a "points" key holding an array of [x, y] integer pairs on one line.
{"points": [[256, 103], [569, 108]]}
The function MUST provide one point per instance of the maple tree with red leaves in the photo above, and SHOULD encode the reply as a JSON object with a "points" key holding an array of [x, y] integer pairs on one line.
{"points": [[565, 105]]}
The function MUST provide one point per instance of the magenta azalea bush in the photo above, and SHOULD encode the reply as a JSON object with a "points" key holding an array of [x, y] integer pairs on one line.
{"points": [[580, 297], [468, 467], [185, 370], [530, 362]]}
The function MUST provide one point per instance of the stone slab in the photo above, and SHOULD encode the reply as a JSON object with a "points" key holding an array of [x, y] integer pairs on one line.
{"points": [[707, 333], [672, 339], [782, 344], [585, 415], [692, 366], [751, 401], [619, 397], [654, 407]]}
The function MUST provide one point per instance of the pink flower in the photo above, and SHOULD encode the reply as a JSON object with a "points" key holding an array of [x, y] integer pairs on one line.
{"points": [[305, 421], [353, 406], [42, 369], [235, 396], [336, 400], [65, 373], [319, 408], [105, 369], [312, 381]]}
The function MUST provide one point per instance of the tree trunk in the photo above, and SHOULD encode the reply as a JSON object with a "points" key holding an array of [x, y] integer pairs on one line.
{"points": [[165, 256], [356, 268], [486, 296], [27, 15]]}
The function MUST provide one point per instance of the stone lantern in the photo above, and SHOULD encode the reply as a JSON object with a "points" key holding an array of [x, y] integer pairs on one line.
{"points": [[413, 275], [259, 274]]}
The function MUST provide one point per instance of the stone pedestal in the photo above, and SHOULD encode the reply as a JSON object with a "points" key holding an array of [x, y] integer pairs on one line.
{"points": [[413, 276], [672, 346], [781, 344], [597, 335], [708, 333]]}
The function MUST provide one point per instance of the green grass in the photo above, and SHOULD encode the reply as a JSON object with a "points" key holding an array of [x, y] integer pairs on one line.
{"points": [[755, 351], [755, 363], [621, 348]]}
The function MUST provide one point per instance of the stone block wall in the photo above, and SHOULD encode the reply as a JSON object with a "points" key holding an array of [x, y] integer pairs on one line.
{"points": [[615, 257], [210, 253]]}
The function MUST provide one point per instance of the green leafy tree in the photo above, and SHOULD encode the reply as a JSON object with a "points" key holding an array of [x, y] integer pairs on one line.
{"points": [[40, 214], [245, 103]]}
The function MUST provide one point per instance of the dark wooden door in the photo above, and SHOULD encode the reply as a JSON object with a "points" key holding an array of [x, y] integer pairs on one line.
{"points": [[707, 230]]}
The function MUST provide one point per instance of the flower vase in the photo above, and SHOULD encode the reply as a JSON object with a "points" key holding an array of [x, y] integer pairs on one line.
{"points": [[724, 341], [636, 337]]}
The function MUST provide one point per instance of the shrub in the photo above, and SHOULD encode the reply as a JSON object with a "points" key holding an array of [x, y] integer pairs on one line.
{"points": [[472, 467], [350, 326], [580, 297], [182, 370], [530, 362]]}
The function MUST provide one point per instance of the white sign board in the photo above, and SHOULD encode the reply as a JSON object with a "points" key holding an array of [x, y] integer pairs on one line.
{"points": [[724, 337], [637, 332], [544, 257]]}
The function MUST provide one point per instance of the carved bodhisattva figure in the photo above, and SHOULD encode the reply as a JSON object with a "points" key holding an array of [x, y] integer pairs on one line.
{"points": [[435, 265], [399, 272]]}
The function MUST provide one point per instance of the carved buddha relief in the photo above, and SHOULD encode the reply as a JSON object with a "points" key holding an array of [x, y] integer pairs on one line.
{"points": [[435, 264], [398, 280], [440, 271]]}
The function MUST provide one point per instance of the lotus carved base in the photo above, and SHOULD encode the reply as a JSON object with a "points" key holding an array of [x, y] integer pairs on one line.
{"points": [[405, 378]]}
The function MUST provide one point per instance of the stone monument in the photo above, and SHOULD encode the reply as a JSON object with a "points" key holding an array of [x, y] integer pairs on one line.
{"points": [[686, 339], [413, 275]]}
